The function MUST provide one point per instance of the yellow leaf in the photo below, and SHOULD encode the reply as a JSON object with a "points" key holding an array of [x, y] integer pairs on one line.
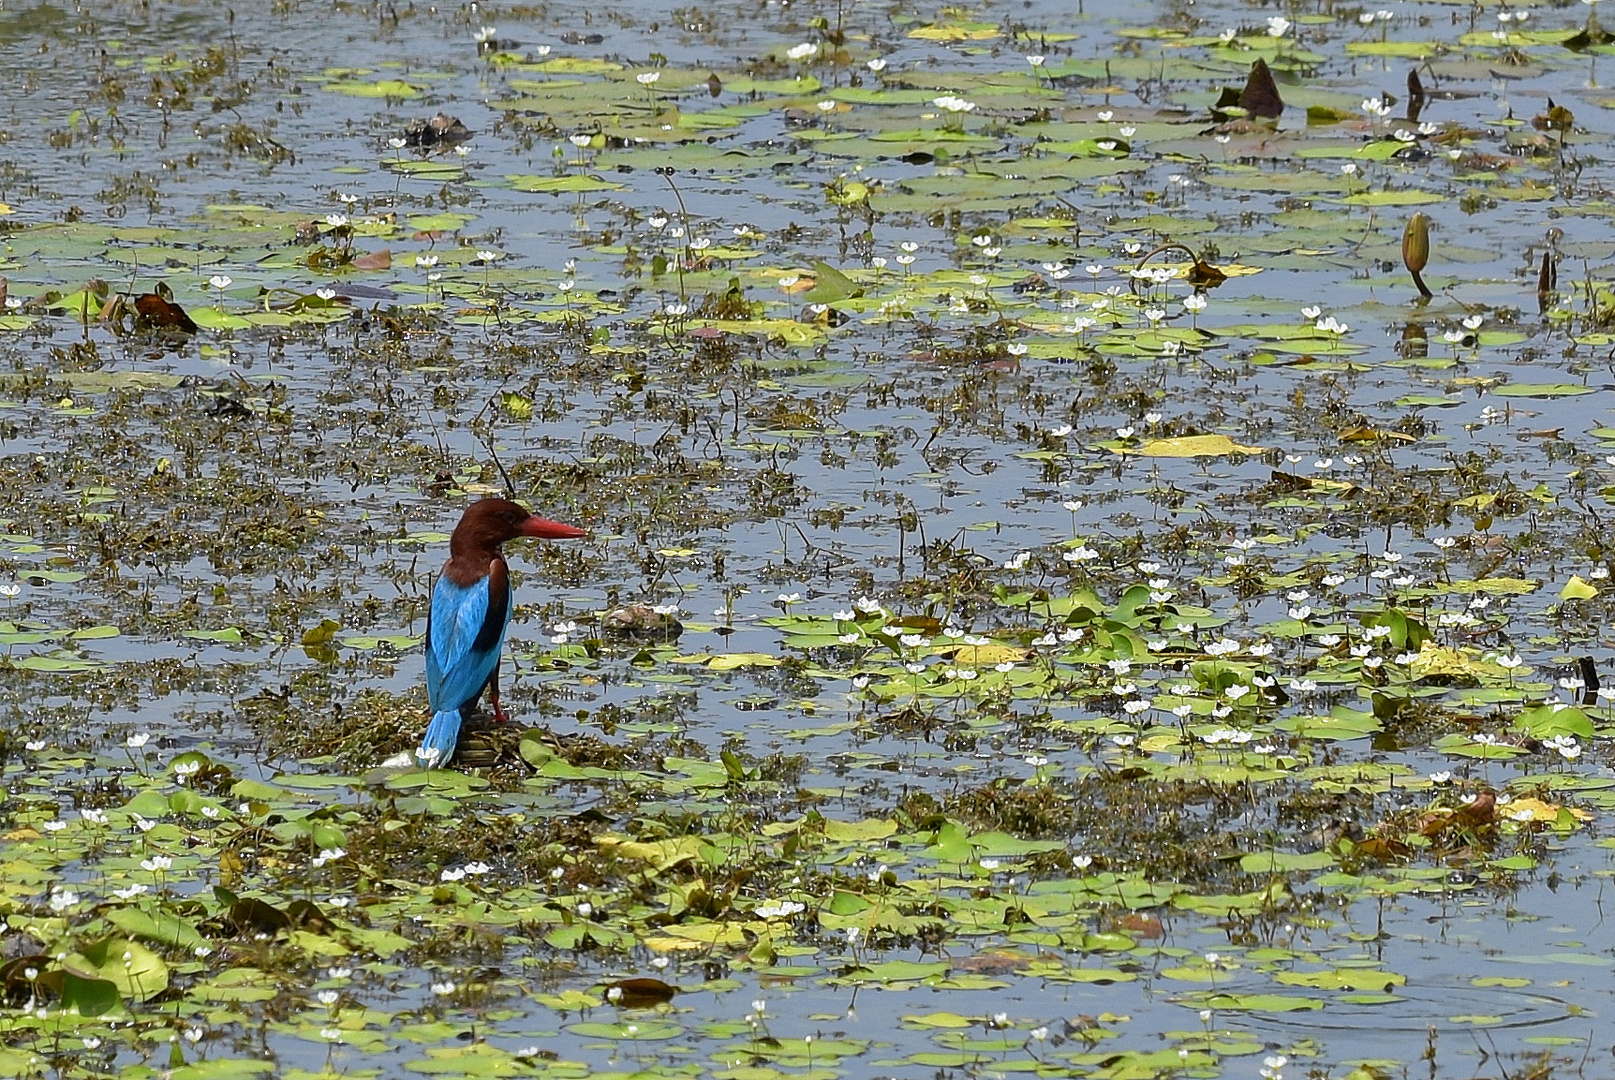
{"points": [[702, 936], [675, 553], [729, 661], [1577, 589], [1364, 434], [1529, 809], [1439, 660], [1497, 586], [663, 943], [986, 655], [961, 31], [663, 854], [321, 634], [844, 831], [1193, 446], [1238, 269]]}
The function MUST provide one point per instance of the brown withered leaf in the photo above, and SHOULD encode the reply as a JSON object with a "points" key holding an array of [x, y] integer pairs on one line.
{"points": [[374, 260], [638, 993], [1261, 94], [1557, 118], [926, 624], [993, 962], [251, 915], [1141, 925], [1364, 434], [1481, 810], [1284, 481], [440, 130], [160, 313], [1383, 848], [1202, 275]]}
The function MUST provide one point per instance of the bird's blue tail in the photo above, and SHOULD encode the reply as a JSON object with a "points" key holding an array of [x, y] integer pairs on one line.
{"points": [[437, 745]]}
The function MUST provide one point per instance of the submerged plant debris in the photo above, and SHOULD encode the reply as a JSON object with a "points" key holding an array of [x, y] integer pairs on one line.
{"points": [[1061, 600]]}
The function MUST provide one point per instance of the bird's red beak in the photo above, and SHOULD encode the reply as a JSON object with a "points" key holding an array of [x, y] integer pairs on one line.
{"points": [[551, 530]]}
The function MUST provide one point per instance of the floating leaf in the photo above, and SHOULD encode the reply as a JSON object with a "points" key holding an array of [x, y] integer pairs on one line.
{"points": [[1542, 390], [1191, 446], [557, 185], [638, 993], [229, 635], [395, 89], [136, 971], [1577, 589]]}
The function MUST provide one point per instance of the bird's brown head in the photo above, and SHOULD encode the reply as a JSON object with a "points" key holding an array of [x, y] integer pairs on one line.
{"points": [[488, 523]]}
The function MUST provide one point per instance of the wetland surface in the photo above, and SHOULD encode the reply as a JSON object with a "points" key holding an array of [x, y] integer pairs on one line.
{"points": [[1060, 601]]}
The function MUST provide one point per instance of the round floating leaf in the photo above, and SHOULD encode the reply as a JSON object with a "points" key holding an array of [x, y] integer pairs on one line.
{"points": [[396, 89], [628, 1031], [136, 971], [85, 996], [1542, 390], [1187, 446], [230, 635], [555, 185]]}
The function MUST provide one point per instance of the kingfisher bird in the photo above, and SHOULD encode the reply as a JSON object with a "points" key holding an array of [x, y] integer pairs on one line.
{"points": [[471, 605]]}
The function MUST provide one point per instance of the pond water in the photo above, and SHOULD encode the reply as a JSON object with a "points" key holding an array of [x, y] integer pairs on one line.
{"points": [[1083, 672]]}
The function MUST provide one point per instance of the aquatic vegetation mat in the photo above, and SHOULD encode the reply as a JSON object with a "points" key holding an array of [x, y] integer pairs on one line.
{"points": [[1099, 558]]}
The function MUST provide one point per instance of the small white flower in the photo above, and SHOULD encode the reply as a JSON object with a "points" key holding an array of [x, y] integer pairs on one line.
{"points": [[329, 855]]}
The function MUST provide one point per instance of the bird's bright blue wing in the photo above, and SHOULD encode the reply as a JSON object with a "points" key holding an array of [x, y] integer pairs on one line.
{"points": [[464, 637]]}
